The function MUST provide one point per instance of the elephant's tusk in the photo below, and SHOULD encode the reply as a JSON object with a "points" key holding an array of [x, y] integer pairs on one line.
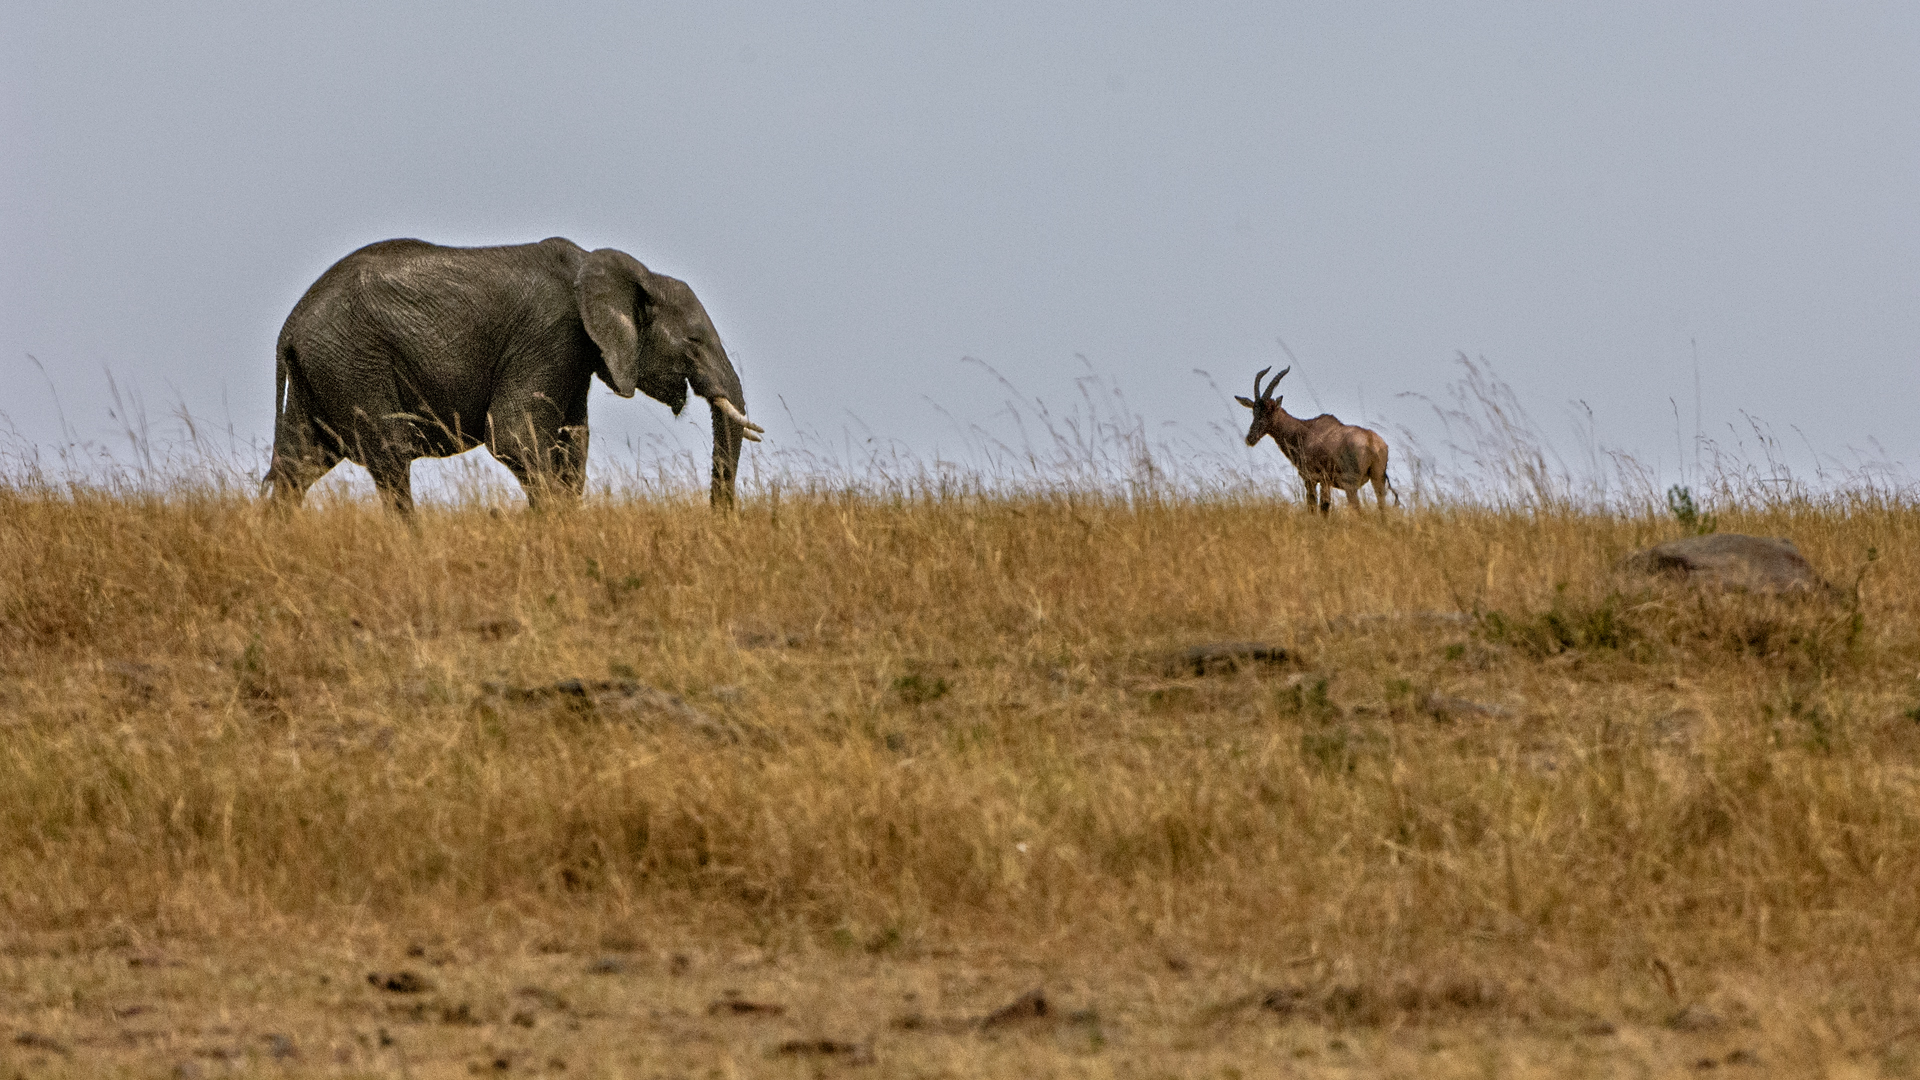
{"points": [[738, 417]]}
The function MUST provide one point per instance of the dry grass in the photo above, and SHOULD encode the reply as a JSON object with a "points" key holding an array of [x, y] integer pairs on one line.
{"points": [[930, 753]]}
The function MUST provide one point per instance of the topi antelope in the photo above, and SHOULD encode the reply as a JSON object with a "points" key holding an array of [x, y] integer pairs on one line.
{"points": [[1328, 453]]}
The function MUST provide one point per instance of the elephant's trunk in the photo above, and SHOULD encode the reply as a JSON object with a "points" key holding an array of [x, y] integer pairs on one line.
{"points": [[726, 459], [728, 403]]}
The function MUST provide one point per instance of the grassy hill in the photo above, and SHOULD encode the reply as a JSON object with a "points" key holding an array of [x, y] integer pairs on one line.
{"points": [[641, 787]]}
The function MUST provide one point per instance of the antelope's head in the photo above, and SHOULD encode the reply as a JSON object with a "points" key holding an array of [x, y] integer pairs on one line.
{"points": [[1266, 407]]}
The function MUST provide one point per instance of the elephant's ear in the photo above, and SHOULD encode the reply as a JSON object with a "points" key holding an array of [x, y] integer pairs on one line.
{"points": [[608, 294]]}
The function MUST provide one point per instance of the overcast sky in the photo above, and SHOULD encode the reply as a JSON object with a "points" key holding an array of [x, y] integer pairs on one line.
{"points": [[1587, 196]]}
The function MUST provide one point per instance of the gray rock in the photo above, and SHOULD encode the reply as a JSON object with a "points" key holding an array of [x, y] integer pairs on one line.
{"points": [[1760, 564]]}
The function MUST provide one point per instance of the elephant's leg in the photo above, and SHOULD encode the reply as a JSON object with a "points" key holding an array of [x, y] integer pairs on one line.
{"points": [[569, 455], [521, 461], [302, 454], [547, 459], [393, 478], [554, 472], [570, 462], [386, 444]]}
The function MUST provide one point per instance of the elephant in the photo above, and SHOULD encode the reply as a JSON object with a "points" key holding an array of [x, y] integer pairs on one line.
{"points": [[405, 349]]}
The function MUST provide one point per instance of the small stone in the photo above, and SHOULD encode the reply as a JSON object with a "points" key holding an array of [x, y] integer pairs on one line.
{"points": [[855, 1053], [399, 982], [496, 629], [1031, 1005], [734, 1006], [1695, 1018], [1444, 707], [33, 1040], [542, 996], [1225, 656]]}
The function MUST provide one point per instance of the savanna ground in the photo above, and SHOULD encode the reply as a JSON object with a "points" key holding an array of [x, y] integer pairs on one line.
{"points": [[841, 778]]}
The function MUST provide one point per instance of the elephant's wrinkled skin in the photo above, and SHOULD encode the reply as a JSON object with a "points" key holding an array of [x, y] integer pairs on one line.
{"points": [[406, 349]]}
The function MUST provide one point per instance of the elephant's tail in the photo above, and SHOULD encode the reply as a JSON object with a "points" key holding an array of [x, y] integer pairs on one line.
{"points": [[282, 364]]}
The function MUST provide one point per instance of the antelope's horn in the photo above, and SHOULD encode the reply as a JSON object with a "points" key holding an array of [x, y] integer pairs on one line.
{"points": [[747, 426], [1257, 376], [1276, 380]]}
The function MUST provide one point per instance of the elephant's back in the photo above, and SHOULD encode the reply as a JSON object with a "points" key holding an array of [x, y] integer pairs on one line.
{"points": [[320, 304], [428, 266], [401, 289]]}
